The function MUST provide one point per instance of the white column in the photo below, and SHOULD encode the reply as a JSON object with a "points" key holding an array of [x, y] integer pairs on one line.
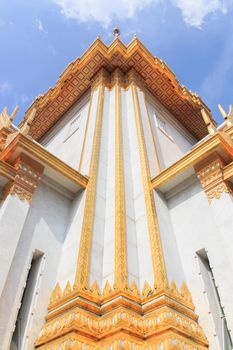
{"points": [[13, 213]]}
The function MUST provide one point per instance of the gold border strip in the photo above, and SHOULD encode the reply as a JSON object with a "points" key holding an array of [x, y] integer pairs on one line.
{"points": [[160, 277], [120, 262], [36, 151], [7, 170], [228, 171], [152, 135], [81, 279], [85, 135], [200, 152]]}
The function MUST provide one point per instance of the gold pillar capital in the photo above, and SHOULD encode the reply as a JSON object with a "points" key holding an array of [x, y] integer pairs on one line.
{"points": [[211, 175], [28, 174]]}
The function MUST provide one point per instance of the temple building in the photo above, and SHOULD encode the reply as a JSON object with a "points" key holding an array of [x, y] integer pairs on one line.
{"points": [[116, 214]]}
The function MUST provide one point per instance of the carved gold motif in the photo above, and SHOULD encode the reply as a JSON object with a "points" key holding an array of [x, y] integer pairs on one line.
{"points": [[158, 323], [28, 173], [5, 119], [157, 76], [120, 268], [85, 134], [160, 278], [211, 175]]}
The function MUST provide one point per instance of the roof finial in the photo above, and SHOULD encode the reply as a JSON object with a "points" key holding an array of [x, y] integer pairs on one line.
{"points": [[116, 32]]}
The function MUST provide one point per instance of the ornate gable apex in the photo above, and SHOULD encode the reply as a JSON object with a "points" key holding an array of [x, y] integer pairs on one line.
{"points": [[158, 78]]}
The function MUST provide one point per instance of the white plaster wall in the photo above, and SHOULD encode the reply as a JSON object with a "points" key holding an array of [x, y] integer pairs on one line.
{"points": [[69, 256], [131, 233], [135, 207], [97, 244], [195, 228], [179, 141], [173, 264], [90, 134], [57, 141], [148, 135], [108, 159], [13, 213], [44, 230]]}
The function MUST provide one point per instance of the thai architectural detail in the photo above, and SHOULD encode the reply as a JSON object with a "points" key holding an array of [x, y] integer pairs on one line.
{"points": [[211, 175], [114, 233], [27, 175]]}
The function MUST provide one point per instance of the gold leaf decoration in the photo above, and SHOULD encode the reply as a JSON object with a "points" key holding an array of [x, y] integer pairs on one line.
{"points": [[67, 289], [147, 290], [107, 288]]}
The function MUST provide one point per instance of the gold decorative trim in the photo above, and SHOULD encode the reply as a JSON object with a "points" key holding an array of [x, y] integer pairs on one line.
{"points": [[160, 278], [146, 321], [120, 261], [35, 150], [7, 170], [85, 134], [158, 78], [152, 135], [218, 141], [81, 279], [28, 173], [211, 175]]}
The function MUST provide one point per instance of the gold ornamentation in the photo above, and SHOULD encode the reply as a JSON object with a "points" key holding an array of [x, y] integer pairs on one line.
{"points": [[185, 292], [157, 76], [95, 289], [160, 278], [5, 119], [45, 157], [211, 175], [25, 128], [85, 134], [81, 280], [208, 122], [227, 116], [56, 294], [67, 289], [195, 155], [120, 266], [174, 288], [145, 328], [107, 288], [134, 288], [28, 173], [152, 135], [147, 290]]}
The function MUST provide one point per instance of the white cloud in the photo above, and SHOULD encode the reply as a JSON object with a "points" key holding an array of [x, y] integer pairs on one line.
{"points": [[105, 11], [195, 11], [39, 26], [5, 86]]}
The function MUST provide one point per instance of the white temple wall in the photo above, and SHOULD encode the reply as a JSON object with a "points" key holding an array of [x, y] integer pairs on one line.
{"points": [[87, 152], [98, 251], [195, 229], [13, 213], [69, 256], [222, 210], [108, 160], [44, 230], [150, 145], [172, 140], [129, 139], [136, 208], [65, 139], [168, 239]]}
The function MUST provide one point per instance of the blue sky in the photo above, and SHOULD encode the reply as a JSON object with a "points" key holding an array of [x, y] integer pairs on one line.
{"points": [[39, 38]]}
